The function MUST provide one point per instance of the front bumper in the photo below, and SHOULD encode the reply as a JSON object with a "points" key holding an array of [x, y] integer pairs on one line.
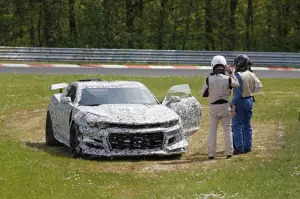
{"points": [[133, 142], [179, 148]]}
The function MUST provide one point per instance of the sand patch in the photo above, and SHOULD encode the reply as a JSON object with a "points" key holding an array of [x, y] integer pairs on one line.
{"points": [[29, 127]]}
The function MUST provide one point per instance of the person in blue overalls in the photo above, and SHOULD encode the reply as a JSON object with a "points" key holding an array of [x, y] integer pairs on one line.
{"points": [[242, 104]]}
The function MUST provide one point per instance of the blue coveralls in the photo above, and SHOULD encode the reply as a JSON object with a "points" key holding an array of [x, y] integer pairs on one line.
{"points": [[241, 126]]}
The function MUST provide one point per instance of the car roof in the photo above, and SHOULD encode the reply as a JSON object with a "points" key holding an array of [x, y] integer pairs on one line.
{"points": [[109, 84]]}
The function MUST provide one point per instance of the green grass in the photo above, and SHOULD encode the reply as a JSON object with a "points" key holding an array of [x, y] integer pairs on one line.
{"points": [[28, 173]]}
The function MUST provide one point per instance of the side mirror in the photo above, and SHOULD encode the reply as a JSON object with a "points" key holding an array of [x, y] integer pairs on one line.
{"points": [[65, 100], [176, 93], [170, 100], [174, 99]]}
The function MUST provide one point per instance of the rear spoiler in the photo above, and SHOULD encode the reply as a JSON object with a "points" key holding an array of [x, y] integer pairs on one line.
{"points": [[58, 86]]}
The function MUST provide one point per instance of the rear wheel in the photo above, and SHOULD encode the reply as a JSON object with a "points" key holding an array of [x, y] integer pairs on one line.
{"points": [[75, 151], [50, 139]]}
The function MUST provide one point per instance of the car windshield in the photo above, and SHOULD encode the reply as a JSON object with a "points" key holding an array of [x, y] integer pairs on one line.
{"points": [[98, 96]]}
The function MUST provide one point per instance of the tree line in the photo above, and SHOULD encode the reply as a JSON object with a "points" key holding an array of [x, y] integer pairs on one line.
{"points": [[248, 25]]}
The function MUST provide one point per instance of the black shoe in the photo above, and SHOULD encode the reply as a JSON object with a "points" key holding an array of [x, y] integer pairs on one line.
{"points": [[247, 150], [237, 152], [229, 156], [211, 158]]}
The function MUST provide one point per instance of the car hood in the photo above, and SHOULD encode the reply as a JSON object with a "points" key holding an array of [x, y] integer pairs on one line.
{"points": [[131, 113]]}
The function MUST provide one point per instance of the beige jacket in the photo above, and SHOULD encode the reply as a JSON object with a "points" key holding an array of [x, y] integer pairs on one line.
{"points": [[251, 84], [219, 87]]}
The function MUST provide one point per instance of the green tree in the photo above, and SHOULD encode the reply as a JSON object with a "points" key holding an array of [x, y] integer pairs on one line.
{"points": [[255, 25]]}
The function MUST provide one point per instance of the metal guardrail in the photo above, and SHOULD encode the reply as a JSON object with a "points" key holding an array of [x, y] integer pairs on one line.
{"points": [[35, 54]]}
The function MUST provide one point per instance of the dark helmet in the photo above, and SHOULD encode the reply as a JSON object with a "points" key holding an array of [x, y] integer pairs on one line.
{"points": [[242, 63]]}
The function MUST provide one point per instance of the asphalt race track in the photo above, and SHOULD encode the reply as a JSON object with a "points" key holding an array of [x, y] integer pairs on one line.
{"points": [[140, 72]]}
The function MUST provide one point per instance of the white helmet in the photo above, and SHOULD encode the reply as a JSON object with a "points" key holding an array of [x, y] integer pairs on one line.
{"points": [[219, 59]]}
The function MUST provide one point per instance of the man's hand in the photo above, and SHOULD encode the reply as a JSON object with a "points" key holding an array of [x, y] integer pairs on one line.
{"points": [[233, 110], [228, 69]]}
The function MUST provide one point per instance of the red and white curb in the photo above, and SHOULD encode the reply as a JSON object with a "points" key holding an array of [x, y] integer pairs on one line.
{"points": [[37, 65]]}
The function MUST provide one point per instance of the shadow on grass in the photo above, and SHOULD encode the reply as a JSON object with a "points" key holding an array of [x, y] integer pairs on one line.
{"points": [[196, 158], [60, 151], [63, 151]]}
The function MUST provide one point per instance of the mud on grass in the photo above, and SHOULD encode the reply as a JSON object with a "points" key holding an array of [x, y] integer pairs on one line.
{"points": [[28, 127]]}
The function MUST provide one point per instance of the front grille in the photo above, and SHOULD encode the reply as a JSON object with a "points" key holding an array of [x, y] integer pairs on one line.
{"points": [[136, 140]]}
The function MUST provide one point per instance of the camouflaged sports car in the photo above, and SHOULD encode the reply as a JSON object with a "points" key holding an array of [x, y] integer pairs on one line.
{"points": [[121, 118]]}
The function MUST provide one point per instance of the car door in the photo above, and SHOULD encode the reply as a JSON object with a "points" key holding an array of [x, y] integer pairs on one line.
{"points": [[180, 100], [66, 105]]}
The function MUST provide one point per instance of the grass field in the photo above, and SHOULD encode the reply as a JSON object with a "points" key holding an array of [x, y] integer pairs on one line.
{"points": [[30, 169]]}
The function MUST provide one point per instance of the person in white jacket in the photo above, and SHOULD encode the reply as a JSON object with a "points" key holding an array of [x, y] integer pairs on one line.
{"points": [[217, 88]]}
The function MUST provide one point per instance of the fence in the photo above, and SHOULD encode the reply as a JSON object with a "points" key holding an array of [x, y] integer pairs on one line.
{"points": [[19, 54]]}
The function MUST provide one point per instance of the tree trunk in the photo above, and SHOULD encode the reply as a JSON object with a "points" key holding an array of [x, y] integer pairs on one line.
{"points": [[199, 29], [18, 17], [249, 24], [130, 22], [281, 8], [32, 34], [209, 43], [233, 5], [160, 36], [47, 23], [297, 20], [140, 29], [198, 18], [287, 11], [107, 24], [39, 26], [31, 29], [187, 27], [72, 20], [173, 45]]}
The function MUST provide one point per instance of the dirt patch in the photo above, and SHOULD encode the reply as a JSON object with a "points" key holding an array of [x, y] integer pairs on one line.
{"points": [[29, 127]]}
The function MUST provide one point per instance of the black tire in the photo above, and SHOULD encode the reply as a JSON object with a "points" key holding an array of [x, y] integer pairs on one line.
{"points": [[74, 151], [50, 139], [176, 156]]}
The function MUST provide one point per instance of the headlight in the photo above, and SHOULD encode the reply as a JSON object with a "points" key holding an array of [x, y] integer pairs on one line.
{"points": [[171, 123], [98, 125], [102, 125]]}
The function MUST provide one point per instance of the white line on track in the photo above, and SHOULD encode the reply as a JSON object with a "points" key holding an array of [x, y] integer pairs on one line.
{"points": [[15, 65], [65, 66], [204, 67], [260, 68], [113, 66], [161, 67]]}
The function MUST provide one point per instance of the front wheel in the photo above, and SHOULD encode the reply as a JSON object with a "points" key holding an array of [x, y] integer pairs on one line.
{"points": [[50, 139], [74, 150]]}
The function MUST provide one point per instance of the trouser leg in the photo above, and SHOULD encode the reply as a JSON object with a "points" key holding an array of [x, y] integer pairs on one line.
{"points": [[248, 104], [228, 141], [237, 128], [212, 137]]}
